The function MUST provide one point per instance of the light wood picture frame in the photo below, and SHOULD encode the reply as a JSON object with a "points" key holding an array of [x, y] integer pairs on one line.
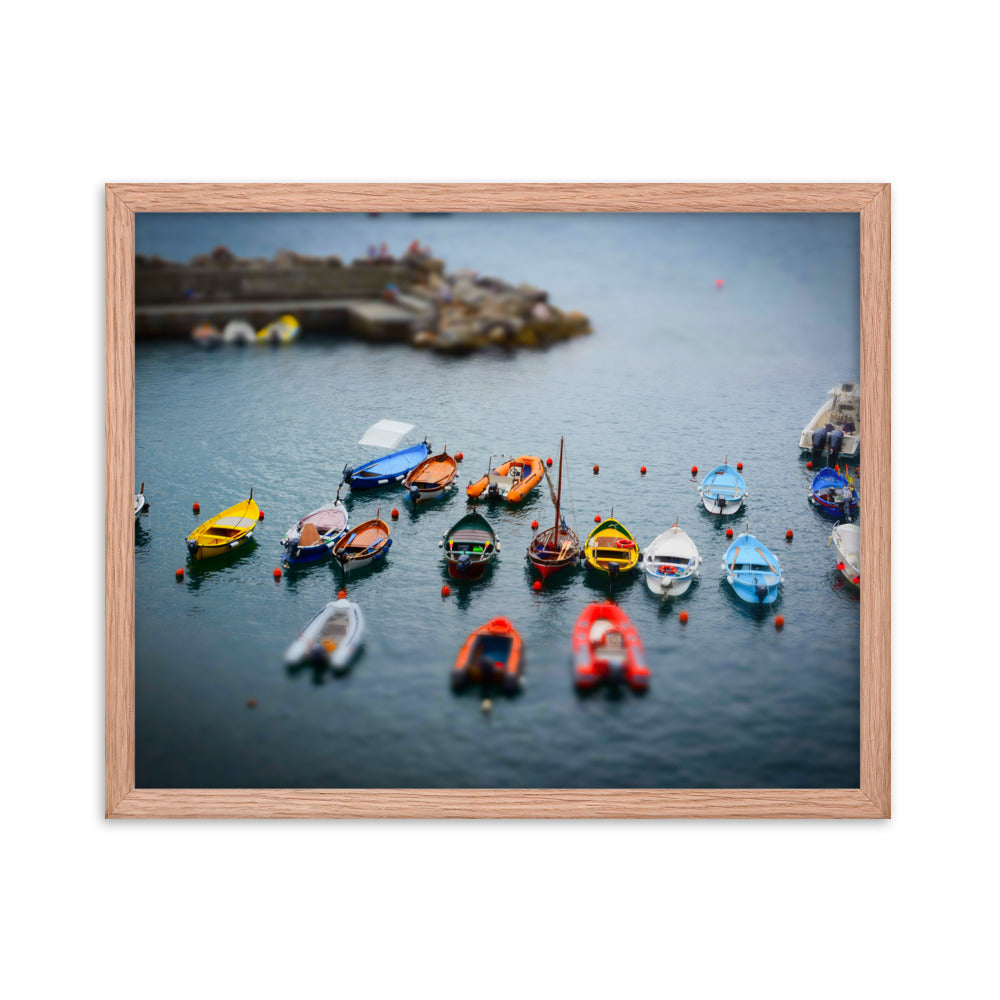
{"points": [[870, 800]]}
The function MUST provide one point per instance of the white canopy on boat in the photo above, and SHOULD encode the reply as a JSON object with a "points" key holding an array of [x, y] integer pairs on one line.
{"points": [[385, 434]]}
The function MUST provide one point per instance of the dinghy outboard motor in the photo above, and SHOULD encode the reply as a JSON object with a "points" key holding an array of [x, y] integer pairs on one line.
{"points": [[348, 472], [721, 503], [836, 443], [819, 443], [316, 656], [192, 546], [464, 562], [760, 589], [414, 493], [616, 673]]}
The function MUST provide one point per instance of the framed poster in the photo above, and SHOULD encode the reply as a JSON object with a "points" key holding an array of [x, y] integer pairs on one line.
{"points": [[608, 358]]}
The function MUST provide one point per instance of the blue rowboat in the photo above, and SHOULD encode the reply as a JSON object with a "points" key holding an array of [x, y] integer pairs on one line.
{"points": [[752, 570], [312, 536], [832, 494], [723, 490], [391, 468]]}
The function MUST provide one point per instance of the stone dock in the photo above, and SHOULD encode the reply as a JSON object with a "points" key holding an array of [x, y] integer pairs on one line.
{"points": [[410, 300]]}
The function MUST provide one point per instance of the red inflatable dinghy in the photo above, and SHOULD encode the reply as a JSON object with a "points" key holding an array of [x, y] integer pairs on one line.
{"points": [[606, 647]]}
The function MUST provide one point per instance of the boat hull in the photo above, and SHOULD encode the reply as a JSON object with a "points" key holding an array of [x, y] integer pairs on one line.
{"points": [[202, 552], [668, 586], [721, 506], [474, 571], [745, 588]]}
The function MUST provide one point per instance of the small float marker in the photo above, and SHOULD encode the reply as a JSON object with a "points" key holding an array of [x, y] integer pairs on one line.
{"points": [[779, 622], [537, 585], [459, 457], [260, 516], [277, 573], [445, 590], [251, 702], [642, 471], [195, 507], [597, 469], [789, 535], [809, 465], [739, 466], [694, 470], [856, 581], [341, 594], [534, 526], [729, 532], [179, 574], [683, 617], [718, 282], [597, 519], [548, 461], [395, 514]]}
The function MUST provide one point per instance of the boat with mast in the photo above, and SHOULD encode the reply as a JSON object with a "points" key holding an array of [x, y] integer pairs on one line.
{"points": [[558, 547]]}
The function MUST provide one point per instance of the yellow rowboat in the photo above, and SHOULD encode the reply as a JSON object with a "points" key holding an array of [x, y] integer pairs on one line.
{"points": [[611, 548], [224, 532], [282, 331]]}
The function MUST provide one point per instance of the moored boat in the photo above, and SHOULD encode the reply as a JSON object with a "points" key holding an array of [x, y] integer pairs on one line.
{"points": [[391, 468], [206, 335], [491, 656], [139, 502], [752, 570], [836, 426], [558, 547], [283, 330], [670, 562], [723, 490], [833, 494], [469, 547], [311, 537], [431, 478], [227, 531], [607, 647], [611, 548], [333, 636], [238, 331], [358, 547], [512, 480], [846, 538]]}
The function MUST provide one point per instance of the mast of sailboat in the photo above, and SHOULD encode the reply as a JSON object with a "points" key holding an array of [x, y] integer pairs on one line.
{"points": [[555, 536]]}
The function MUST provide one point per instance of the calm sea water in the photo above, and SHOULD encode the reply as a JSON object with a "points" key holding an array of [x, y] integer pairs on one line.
{"points": [[676, 373]]}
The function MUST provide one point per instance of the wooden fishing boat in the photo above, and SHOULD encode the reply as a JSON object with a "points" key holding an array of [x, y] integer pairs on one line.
{"points": [[225, 532], [140, 502], [469, 547], [833, 494], [391, 468], [607, 647], [611, 548], [558, 547], [311, 537], [752, 570], [369, 542], [836, 427], [512, 480], [238, 331], [333, 637], [670, 562], [491, 656], [283, 330], [723, 490], [846, 538], [431, 478]]}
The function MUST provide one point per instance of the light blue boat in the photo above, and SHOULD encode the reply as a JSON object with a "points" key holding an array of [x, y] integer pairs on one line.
{"points": [[392, 468], [723, 490], [752, 570]]}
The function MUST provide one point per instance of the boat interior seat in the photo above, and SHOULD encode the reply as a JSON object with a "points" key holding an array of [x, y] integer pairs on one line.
{"points": [[309, 536]]}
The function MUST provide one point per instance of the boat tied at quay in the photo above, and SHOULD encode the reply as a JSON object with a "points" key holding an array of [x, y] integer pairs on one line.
{"points": [[835, 429], [391, 468], [833, 494], [846, 539]]}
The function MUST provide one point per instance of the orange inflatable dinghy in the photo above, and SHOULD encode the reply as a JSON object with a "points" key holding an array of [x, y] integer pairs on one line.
{"points": [[491, 656], [512, 481]]}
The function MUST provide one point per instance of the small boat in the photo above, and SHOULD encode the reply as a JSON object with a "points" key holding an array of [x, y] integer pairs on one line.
{"points": [[469, 547], [752, 570], [283, 330], [238, 331], [391, 468], [431, 477], [226, 531], [311, 536], [512, 480], [833, 494], [611, 548], [205, 335], [723, 490], [491, 657], [140, 502], [333, 637], [607, 647], [846, 538], [836, 427], [558, 547], [361, 546], [670, 562]]}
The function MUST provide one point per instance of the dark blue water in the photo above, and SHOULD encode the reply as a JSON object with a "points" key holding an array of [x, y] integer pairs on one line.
{"points": [[676, 373]]}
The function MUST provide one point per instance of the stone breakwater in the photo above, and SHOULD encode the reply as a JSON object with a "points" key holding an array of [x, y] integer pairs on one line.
{"points": [[411, 299]]}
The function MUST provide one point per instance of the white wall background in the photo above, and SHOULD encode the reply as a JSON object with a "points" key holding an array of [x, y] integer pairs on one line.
{"points": [[516, 92]]}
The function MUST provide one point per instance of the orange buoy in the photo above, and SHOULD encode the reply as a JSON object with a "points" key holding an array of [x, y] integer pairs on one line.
{"points": [[739, 466], [277, 573], [459, 457], [683, 617], [537, 585], [597, 519], [779, 622], [789, 535], [251, 702], [597, 469], [341, 594], [642, 471], [694, 470], [534, 526], [196, 507], [395, 514], [260, 515], [179, 573], [718, 282], [548, 461], [729, 532], [445, 590]]}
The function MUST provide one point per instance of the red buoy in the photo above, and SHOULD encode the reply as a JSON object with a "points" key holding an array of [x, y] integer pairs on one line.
{"points": [[179, 574], [196, 507], [729, 532], [548, 461], [395, 514], [739, 466], [683, 617], [597, 469], [779, 622], [277, 573], [841, 567], [537, 585], [643, 470], [534, 526], [809, 465], [597, 519], [260, 516], [718, 282], [341, 594], [694, 470], [445, 590], [459, 457], [789, 535], [856, 580], [251, 702]]}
